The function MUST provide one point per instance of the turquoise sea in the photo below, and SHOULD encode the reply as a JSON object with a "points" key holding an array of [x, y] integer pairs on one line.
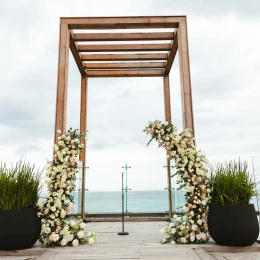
{"points": [[137, 201]]}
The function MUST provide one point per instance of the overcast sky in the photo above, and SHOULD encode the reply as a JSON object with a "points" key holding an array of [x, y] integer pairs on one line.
{"points": [[224, 40]]}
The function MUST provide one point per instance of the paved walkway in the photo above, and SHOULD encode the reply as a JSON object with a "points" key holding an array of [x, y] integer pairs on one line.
{"points": [[141, 243]]}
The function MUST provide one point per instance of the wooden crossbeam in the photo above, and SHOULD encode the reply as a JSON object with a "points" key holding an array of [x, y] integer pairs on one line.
{"points": [[123, 36], [76, 55], [125, 73], [172, 54], [124, 65], [124, 57], [124, 47], [122, 22]]}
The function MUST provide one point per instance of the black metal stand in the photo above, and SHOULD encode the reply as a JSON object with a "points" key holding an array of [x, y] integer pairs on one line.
{"points": [[123, 233]]}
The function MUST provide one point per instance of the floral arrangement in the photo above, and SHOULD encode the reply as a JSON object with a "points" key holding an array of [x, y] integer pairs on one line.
{"points": [[57, 228], [192, 172]]}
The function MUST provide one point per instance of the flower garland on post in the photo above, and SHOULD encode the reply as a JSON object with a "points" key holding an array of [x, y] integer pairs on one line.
{"points": [[192, 172], [57, 229]]}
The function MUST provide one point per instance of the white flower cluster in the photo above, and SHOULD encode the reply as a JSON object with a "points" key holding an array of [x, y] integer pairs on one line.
{"points": [[192, 171], [61, 173]]}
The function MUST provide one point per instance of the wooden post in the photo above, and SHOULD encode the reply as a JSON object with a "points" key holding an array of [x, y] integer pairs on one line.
{"points": [[62, 83], [83, 128], [186, 95], [167, 106]]}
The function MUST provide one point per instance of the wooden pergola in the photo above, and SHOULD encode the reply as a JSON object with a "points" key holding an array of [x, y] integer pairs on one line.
{"points": [[156, 42]]}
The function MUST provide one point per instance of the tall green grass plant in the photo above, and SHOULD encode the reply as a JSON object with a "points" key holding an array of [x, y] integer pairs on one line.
{"points": [[232, 184], [20, 185]]}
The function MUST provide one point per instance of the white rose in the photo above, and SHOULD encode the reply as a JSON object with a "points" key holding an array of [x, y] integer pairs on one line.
{"points": [[183, 240], [55, 237], [173, 230], [91, 241], [75, 242], [199, 221], [192, 238], [171, 225], [194, 227], [63, 242], [82, 225], [80, 234], [198, 236]]}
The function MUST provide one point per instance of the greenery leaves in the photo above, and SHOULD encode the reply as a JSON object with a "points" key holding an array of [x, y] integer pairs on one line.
{"points": [[232, 184], [20, 185]]}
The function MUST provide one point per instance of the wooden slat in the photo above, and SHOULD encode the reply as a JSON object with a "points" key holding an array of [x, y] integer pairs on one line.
{"points": [[124, 47], [124, 65], [125, 73], [123, 36], [233, 249], [62, 82], [186, 93], [124, 57], [122, 22], [203, 254], [172, 54], [76, 55]]}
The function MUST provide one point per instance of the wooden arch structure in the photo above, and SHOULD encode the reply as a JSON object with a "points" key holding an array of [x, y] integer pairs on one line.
{"points": [[134, 47]]}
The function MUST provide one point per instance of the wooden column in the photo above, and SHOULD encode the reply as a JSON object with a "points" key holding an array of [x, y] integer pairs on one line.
{"points": [[167, 106], [83, 128], [62, 83], [186, 95]]}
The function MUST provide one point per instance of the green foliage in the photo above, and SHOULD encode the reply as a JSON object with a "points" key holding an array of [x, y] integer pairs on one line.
{"points": [[232, 184], [20, 185]]}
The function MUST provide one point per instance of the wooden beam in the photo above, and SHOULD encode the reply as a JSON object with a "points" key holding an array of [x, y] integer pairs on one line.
{"points": [[124, 57], [124, 65], [167, 108], [123, 47], [62, 81], [167, 100], [172, 54], [123, 22], [76, 55], [125, 73], [83, 128], [186, 94], [123, 36]]}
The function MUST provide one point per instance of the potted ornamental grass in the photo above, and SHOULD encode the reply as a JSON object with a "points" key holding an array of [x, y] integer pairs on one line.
{"points": [[20, 186], [232, 219]]}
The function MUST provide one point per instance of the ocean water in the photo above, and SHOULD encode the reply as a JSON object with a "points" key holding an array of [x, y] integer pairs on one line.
{"points": [[137, 201]]}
